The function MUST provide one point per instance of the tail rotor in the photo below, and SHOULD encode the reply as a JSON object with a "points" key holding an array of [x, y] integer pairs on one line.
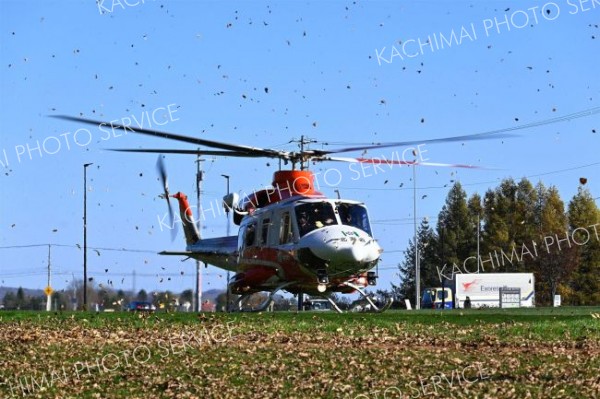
{"points": [[162, 173]]}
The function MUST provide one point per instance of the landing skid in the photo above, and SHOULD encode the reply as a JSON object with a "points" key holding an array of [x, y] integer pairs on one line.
{"points": [[263, 306], [374, 308], [332, 302]]}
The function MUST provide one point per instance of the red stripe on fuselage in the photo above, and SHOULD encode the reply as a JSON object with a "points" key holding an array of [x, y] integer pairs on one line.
{"points": [[285, 265]]}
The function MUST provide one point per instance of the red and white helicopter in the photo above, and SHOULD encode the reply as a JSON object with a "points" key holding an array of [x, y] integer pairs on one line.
{"points": [[291, 237]]}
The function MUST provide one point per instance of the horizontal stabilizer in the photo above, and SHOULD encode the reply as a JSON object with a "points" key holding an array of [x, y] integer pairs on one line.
{"points": [[179, 253], [219, 251]]}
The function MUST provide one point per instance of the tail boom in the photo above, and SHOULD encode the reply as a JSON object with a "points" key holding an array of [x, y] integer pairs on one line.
{"points": [[187, 219]]}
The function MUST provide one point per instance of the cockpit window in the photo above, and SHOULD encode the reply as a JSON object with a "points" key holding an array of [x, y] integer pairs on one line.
{"points": [[264, 237], [314, 215], [285, 231], [250, 235], [354, 215]]}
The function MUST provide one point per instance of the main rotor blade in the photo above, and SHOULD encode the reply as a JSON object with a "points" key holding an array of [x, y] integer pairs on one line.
{"points": [[468, 137], [242, 149], [377, 161], [188, 152], [492, 134]]}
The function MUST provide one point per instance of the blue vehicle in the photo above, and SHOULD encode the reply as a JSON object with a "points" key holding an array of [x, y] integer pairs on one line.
{"points": [[436, 298]]}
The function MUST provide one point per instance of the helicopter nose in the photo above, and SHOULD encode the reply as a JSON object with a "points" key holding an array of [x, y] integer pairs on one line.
{"points": [[342, 245], [345, 251], [344, 254]]}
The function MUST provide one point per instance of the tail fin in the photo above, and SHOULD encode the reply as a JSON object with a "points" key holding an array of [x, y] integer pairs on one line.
{"points": [[187, 219]]}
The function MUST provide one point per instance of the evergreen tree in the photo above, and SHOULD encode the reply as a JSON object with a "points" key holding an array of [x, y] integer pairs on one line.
{"points": [[476, 216], [526, 229], [36, 303], [60, 300], [21, 301], [10, 300], [456, 231], [584, 220], [556, 259], [510, 227], [428, 262], [123, 298], [526, 215], [142, 295], [406, 289], [525, 225], [186, 296], [495, 235]]}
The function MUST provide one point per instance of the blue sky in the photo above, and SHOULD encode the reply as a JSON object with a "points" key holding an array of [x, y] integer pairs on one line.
{"points": [[262, 74]]}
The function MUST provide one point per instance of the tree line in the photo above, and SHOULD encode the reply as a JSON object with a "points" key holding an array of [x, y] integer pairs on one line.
{"points": [[71, 298], [515, 228]]}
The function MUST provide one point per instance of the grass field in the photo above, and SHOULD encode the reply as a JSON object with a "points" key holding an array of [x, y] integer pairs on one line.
{"points": [[545, 353]]}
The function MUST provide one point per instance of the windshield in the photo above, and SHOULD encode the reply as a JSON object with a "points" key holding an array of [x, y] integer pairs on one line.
{"points": [[354, 215], [314, 215], [442, 295]]}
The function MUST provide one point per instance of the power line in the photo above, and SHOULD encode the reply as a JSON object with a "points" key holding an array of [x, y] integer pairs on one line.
{"points": [[97, 274], [110, 274], [476, 183], [399, 222], [568, 117], [394, 251], [79, 247]]}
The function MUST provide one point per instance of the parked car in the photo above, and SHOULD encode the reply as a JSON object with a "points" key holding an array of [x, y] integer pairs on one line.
{"points": [[317, 304], [139, 306]]}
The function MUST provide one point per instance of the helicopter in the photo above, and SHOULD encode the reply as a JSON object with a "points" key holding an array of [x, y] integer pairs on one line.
{"points": [[291, 237]]}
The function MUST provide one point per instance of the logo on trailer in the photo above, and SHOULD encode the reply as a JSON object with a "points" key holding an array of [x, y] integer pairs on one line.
{"points": [[467, 286]]}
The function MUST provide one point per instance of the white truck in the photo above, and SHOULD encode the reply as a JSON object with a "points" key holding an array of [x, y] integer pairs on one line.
{"points": [[482, 290]]}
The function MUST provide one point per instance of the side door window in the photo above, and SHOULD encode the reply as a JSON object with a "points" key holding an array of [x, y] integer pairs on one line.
{"points": [[264, 231], [250, 235], [285, 228]]}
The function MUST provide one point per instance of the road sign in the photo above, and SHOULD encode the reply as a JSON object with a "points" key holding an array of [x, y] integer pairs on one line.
{"points": [[48, 290]]}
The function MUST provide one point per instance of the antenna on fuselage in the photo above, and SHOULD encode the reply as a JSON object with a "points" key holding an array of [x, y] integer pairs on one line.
{"points": [[199, 178]]}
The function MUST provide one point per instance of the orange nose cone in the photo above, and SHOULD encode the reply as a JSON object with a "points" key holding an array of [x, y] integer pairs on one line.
{"points": [[295, 181]]}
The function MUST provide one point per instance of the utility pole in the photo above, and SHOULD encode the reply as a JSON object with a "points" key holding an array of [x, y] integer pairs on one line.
{"points": [[228, 232], [478, 233], [85, 165], [134, 293], [417, 268], [74, 299], [199, 176], [48, 287]]}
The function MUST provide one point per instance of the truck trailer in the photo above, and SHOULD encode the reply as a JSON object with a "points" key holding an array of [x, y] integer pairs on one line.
{"points": [[478, 290]]}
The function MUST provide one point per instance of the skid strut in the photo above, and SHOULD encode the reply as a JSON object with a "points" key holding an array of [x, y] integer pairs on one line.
{"points": [[385, 307], [266, 302]]}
